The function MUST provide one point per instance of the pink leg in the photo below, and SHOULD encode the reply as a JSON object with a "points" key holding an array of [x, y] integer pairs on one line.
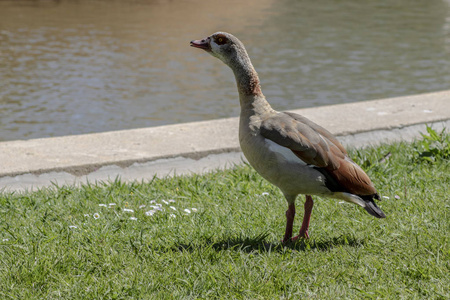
{"points": [[306, 218], [290, 214]]}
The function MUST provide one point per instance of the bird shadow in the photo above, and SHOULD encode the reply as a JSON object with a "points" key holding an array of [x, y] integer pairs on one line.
{"points": [[261, 244]]}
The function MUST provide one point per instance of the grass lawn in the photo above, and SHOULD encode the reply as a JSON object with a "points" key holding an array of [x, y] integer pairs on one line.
{"points": [[106, 241]]}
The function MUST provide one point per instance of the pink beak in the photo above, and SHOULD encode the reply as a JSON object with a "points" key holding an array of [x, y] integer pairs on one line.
{"points": [[202, 44]]}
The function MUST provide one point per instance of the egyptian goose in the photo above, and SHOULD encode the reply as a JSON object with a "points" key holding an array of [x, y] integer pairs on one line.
{"points": [[287, 149]]}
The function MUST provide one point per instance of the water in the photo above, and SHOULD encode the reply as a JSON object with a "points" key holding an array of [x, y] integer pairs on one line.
{"points": [[71, 67]]}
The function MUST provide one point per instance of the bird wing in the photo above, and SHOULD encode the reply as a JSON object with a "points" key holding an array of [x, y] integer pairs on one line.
{"points": [[316, 146]]}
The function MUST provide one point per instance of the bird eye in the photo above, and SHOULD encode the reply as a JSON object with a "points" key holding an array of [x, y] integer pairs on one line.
{"points": [[220, 40]]}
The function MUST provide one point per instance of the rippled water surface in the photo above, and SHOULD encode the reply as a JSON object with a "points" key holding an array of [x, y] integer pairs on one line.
{"points": [[71, 67]]}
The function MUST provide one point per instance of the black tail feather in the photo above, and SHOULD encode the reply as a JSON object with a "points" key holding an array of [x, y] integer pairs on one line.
{"points": [[373, 209]]}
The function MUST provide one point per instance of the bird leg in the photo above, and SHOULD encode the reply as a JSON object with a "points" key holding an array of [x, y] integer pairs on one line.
{"points": [[306, 218], [290, 214]]}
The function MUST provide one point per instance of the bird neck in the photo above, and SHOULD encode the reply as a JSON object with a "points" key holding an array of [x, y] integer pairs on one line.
{"points": [[247, 79]]}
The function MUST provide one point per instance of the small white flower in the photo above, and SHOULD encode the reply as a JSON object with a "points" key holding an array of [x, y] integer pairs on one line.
{"points": [[86, 215], [265, 194], [156, 207], [171, 201], [187, 211], [112, 204], [133, 218], [397, 197], [96, 216], [172, 216], [385, 197], [142, 206], [101, 204], [194, 209], [165, 202], [73, 226], [150, 212], [341, 202], [5, 240], [173, 207], [128, 210], [153, 201]]}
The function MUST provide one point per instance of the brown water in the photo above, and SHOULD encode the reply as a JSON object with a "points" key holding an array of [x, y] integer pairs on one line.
{"points": [[70, 67]]}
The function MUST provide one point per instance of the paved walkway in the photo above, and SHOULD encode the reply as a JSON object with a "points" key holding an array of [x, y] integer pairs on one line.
{"points": [[139, 154]]}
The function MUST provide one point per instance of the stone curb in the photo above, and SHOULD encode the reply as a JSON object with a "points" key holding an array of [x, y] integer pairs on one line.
{"points": [[80, 158]]}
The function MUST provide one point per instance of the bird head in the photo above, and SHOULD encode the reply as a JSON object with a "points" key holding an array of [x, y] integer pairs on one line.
{"points": [[222, 45]]}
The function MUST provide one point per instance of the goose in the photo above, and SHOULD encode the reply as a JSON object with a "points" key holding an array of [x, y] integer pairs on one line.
{"points": [[288, 150]]}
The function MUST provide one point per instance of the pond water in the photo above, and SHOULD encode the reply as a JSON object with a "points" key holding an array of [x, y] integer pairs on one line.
{"points": [[72, 67]]}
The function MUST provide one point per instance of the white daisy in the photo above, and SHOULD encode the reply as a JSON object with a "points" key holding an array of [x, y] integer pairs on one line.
{"points": [[150, 212], [156, 207], [96, 216], [128, 210]]}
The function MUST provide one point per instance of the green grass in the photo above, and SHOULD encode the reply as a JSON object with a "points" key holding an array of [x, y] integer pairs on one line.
{"points": [[230, 247]]}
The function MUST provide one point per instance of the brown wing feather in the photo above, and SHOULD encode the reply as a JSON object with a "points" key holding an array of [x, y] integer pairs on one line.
{"points": [[306, 143], [352, 178], [325, 133], [318, 147]]}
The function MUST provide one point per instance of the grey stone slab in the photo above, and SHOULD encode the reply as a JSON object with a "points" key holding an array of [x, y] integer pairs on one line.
{"points": [[140, 154]]}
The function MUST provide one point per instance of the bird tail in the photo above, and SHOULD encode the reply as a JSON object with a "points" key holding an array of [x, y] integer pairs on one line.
{"points": [[373, 209], [367, 202]]}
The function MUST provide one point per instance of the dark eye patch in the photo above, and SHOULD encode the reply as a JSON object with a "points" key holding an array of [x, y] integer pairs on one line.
{"points": [[221, 39]]}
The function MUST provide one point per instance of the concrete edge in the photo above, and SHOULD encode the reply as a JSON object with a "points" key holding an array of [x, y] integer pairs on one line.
{"points": [[85, 169], [167, 167], [192, 147]]}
